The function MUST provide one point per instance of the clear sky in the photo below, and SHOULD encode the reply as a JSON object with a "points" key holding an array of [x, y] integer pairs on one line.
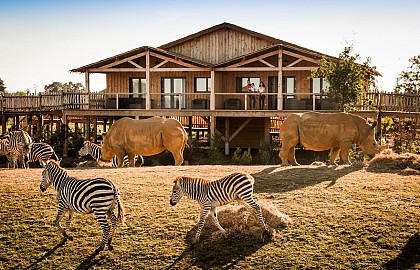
{"points": [[40, 41]]}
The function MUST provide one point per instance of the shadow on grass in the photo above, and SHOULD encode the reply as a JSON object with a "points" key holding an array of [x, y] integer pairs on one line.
{"points": [[46, 255], [90, 261], [284, 179], [224, 253], [409, 256]]}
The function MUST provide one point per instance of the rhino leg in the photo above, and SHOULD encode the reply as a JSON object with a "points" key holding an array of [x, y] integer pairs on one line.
{"points": [[345, 154], [131, 160], [178, 157], [287, 151], [333, 155], [292, 157], [120, 156]]}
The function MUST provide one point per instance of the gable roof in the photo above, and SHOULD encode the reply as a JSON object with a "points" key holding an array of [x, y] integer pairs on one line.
{"points": [[165, 48]]}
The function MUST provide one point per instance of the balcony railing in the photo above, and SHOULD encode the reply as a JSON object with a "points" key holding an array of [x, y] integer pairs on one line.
{"points": [[198, 101]]}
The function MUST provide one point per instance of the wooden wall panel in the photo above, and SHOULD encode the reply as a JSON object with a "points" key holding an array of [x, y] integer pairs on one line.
{"points": [[250, 136], [220, 46]]}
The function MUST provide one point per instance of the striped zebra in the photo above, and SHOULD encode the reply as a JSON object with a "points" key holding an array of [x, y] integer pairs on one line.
{"points": [[98, 195], [95, 151], [40, 152], [19, 142], [5, 150], [211, 194]]}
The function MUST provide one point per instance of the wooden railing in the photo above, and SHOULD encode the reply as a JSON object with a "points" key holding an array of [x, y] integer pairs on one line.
{"points": [[200, 101]]}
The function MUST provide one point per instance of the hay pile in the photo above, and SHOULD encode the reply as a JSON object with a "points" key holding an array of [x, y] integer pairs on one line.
{"points": [[231, 218], [88, 163], [388, 161]]}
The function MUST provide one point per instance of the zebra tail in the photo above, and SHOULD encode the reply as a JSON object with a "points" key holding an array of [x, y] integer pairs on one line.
{"points": [[120, 206]]}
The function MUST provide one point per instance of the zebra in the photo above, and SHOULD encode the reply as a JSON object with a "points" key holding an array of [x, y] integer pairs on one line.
{"points": [[98, 195], [5, 150], [41, 152], [95, 151], [210, 194], [19, 142]]}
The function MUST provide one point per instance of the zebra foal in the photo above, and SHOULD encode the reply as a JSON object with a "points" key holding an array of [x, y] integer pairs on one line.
{"points": [[211, 194], [97, 195], [95, 151]]}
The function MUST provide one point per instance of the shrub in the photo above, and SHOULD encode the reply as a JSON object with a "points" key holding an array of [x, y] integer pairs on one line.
{"points": [[236, 158], [246, 158], [266, 154]]}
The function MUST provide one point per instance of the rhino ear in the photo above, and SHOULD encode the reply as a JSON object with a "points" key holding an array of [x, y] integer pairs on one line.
{"points": [[374, 124]]}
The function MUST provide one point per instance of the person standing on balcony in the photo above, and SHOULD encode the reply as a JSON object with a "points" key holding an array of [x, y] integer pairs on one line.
{"points": [[252, 101], [261, 90]]}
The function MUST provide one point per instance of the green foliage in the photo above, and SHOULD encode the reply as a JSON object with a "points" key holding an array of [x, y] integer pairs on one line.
{"points": [[195, 153], [215, 156], [408, 82], [246, 158], [348, 80], [236, 158], [266, 154], [401, 135], [2, 87], [57, 87]]}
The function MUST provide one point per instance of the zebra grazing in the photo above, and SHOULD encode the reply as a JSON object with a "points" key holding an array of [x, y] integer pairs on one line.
{"points": [[96, 195], [41, 152], [19, 142], [210, 194], [95, 151]]}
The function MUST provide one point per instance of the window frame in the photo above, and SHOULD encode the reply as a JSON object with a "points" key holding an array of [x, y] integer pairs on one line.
{"points": [[208, 84]]}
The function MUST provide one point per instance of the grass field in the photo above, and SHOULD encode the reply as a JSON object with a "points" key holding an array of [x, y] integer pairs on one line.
{"points": [[344, 217]]}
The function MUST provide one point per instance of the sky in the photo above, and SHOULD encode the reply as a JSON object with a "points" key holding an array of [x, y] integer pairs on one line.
{"points": [[40, 41]]}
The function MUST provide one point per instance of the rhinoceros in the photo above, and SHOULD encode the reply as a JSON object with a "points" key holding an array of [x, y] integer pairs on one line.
{"points": [[144, 137], [323, 131]]}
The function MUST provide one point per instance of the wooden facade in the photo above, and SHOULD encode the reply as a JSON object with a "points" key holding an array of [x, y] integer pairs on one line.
{"points": [[224, 55]]}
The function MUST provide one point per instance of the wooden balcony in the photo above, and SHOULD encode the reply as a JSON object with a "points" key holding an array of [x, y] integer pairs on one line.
{"points": [[205, 103]]}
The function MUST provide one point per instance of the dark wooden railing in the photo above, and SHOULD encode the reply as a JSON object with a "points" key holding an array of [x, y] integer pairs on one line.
{"points": [[92, 101]]}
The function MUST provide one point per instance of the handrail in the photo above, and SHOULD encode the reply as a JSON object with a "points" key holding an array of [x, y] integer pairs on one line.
{"points": [[82, 100]]}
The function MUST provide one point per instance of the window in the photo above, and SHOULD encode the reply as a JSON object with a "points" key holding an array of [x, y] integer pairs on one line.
{"points": [[137, 85], [242, 82], [319, 85], [202, 84], [170, 87], [289, 86]]}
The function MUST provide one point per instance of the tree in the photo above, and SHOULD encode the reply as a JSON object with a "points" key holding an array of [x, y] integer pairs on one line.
{"points": [[2, 87], [57, 87], [408, 82], [348, 80]]}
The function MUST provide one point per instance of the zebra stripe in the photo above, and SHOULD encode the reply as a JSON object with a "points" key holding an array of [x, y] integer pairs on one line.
{"points": [[95, 151], [211, 194], [98, 196], [19, 142], [5, 149], [40, 152]]}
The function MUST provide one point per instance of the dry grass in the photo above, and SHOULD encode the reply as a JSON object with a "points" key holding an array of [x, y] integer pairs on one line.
{"points": [[388, 161], [344, 217]]}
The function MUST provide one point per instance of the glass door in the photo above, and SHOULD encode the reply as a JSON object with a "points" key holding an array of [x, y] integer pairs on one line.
{"points": [[170, 88]]}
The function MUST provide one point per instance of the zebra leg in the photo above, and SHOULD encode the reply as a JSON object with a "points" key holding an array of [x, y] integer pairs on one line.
{"points": [[71, 213], [213, 212], [257, 209], [113, 218], [60, 214], [204, 213], [101, 217], [246, 216]]}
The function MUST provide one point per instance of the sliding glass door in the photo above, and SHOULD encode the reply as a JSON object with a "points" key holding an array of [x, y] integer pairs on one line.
{"points": [[172, 93]]}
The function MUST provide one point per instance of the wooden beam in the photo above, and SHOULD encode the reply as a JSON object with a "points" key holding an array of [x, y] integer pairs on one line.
{"points": [[303, 57], [280, 80], [295, 62], [247, 69], [253, 59], [227, 136], [135, 64], [298, 68], [179, 69], [106, 70], [179, 62], [244, 124], [148, 101], [124, 60], [161, 64], [266, 63], [212, 92]]}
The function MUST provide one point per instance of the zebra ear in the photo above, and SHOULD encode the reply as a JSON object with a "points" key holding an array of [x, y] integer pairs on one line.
{"points": [[44, 163]]}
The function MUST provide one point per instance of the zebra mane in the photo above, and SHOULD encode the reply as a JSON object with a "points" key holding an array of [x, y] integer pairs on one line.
{"points": [[183, 179], [56, 165]]}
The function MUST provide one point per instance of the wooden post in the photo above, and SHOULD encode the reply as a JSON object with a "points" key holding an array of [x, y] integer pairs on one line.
{"points": [[87, 86], [280, 81], [95, 129], [212, 92], [227, 136], [4, 124], [66, 134], [190, 127], [39, 127], [87, 128], [148, 100], [212, 128]]}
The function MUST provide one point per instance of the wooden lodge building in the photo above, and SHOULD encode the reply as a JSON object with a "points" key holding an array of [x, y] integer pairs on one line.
{"points": [[200, 78]]}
